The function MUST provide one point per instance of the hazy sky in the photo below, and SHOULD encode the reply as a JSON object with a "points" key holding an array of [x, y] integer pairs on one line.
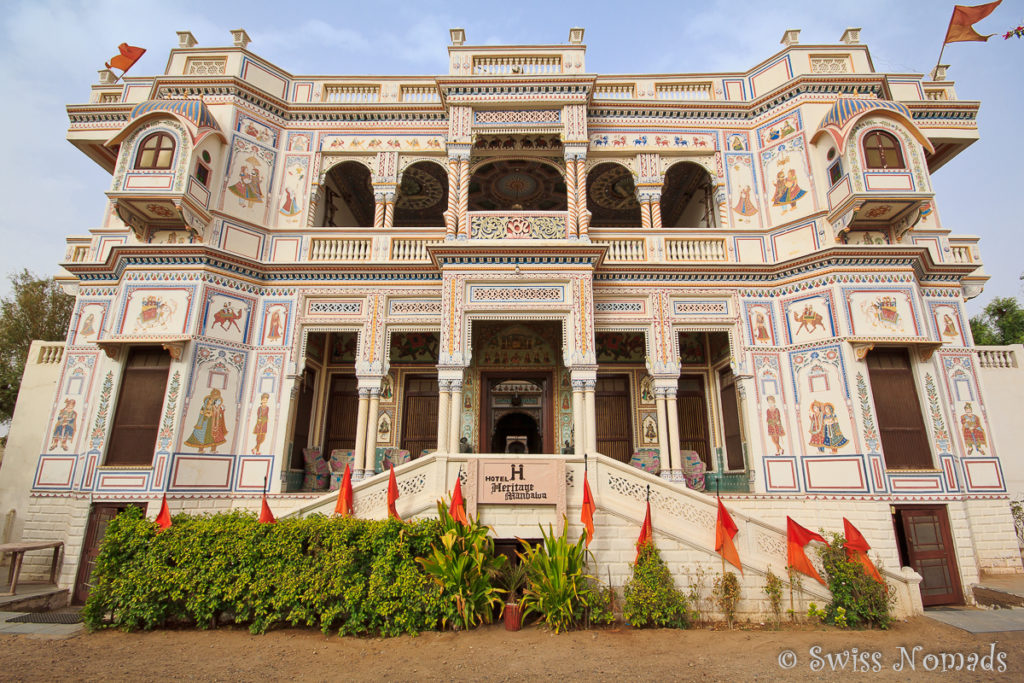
{"points": [[50, 52]]}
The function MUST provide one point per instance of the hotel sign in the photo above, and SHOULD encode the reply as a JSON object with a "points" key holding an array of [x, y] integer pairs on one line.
{"points": [[519, 482]]}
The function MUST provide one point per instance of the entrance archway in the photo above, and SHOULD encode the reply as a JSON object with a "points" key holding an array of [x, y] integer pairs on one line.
{"points": [[516, 433]]}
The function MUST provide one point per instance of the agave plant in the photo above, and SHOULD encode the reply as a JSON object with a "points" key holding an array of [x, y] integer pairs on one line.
{"points": [[559, 590], [463, 565]]}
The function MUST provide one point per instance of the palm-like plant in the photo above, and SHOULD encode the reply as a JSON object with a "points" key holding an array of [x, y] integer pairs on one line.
{"points": [[559, 589]]}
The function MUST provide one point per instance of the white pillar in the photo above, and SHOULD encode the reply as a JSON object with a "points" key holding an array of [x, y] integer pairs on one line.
{"points": [[675, 457], [455, 416], [371, 433], [359, 458], [443, 407], [663, 440], [579, 426], [591, 415]]}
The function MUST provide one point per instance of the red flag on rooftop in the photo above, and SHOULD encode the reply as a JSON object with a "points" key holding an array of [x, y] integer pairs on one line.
{"points": [[129, 55], [725, 530], [344, 505], [646, 533], [797, 537], [857, 550], [163, 518], [393, 495], [961, 24], [266, 516], [587, 514], [458, 504]]}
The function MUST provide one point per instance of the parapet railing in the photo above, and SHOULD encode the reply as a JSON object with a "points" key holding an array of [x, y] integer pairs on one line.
{"points": [[999, 357]]}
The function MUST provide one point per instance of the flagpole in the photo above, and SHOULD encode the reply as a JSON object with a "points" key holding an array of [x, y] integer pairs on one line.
{"points": [[718, 498]]}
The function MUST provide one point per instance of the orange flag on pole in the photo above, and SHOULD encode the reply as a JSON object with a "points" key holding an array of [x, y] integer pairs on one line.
{"points": [[163, 519], [344, 505], [458, 504], [129, 54], [266, 516], [587, 514], [796, 538], [646, 533], [725, 530], [961, 24], [392, 495], [857, 550]]}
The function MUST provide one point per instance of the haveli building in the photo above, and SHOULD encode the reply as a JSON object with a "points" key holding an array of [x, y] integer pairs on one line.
{"points": [[746, 273]]}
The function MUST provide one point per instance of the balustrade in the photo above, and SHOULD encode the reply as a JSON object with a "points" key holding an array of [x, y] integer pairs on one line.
{"points": [[695, 249], [517, 64], [1000, 357], [339, 249]]}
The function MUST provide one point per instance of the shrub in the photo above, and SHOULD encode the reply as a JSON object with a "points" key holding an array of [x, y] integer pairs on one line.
{"points": [[652, 598], [695, 594], [727, 595], [558, 589], [857, 599], [773, 589], [356, 576], [463, 566]]}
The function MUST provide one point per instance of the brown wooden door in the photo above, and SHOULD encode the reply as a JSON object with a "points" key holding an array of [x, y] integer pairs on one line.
{"points": [[923, 532], [614, 417], [731, 426], [900, 422], [99, 517], [303, 415], [419, 414], [342, 414], [692, 408], [137, 417]]}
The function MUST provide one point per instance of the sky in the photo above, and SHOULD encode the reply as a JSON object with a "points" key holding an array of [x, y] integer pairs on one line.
{"points": [[50, 51]]}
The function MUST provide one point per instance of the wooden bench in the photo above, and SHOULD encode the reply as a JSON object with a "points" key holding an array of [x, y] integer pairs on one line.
{"points": [[18, 550]]}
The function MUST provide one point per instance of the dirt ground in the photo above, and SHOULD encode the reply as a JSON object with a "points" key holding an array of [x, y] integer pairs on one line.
{"points": [[493, 654]]}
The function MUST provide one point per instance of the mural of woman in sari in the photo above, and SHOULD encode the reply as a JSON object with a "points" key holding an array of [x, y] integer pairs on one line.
{"points": [[833, 438], [210, 430], [817, 427]]}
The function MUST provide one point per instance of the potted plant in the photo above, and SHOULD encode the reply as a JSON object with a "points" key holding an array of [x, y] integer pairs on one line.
{"points": [[512, 579]]}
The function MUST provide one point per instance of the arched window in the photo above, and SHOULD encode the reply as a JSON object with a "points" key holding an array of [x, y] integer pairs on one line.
{"points": [[882, 150], [156, 152], [835, 167]]}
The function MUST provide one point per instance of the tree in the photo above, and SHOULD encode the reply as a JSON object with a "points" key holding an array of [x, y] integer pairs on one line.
{"points": [[1001, 323], [36, 309]]}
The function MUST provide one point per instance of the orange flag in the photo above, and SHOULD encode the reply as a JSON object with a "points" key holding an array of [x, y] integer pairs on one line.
{"points": [[266, 516], [392, 495], [857, 550], [344, 505], [163, 519], [458, 505], [725, 530], [646, 533], [587, 514], [129, 55], [797, 537], [961, 24]]}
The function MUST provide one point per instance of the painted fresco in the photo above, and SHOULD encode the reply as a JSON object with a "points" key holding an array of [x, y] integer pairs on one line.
{"points": [[787, 182], [761, 325], [249, 180], [299, 142], [771, 395], [620, 347], [516, 345], [375, 143], [264, 403], [824, 415], [947, 324], [809, 319], [744, 198], [257, 130], [227, 317], [156, 311], [691, 348], [881, 313], [344, 347], [213, 406], [970, 421], [70, 404], [291, 204], [90, 322], [648, 429], [875, 237], [415, 347], [276, 323]]}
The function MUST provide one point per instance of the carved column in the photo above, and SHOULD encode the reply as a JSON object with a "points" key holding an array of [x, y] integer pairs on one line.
{"points": [[455, 416], [451, 216], [579, 426], [656, 210], [572, 217], [672, 409], [645, 211], [591, 414], [378, 209], [389, 210], [443, 409], [663, 440], [581, 198], [359, 457], [464, 231], [371, 433]]}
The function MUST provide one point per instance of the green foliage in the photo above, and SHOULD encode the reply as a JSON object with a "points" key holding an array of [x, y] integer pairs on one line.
{"points": [[558, 589], [462, 564], [796, 585], [356, 576], [814, 612], [858, 601], [652, 598], [727, 595], [773, 589], [512, 579], [1000, 323], [36, 309], [695, 594]]}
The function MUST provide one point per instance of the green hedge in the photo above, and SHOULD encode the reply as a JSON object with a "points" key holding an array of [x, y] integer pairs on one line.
{"points": [[354, 575]]}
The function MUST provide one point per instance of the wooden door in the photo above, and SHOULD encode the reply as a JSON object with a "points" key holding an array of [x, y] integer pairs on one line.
{"points": [[691, 406], [342, 414], [99, 517], [303, 415], [137, 417], [731, 425], [900, 422], [614, 417], [923, 533], [419, 414]]}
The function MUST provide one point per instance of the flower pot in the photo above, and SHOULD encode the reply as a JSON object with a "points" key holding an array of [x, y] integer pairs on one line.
{"points": [[513, 617]]}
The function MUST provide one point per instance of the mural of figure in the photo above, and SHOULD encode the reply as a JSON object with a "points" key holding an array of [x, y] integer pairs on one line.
{"points": [[210, 430], [744, 206], [773, 419], [974, 434], [227, 317], [289, 207], [88, 325], [650, 432], [262, 418], [64, 429], [817, 428], [248, 189], [793, 191], [832, 437], [761, 333], [809, 320], [276, 328], [948, 326], [779, 196]]}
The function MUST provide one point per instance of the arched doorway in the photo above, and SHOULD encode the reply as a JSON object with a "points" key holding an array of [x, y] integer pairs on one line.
{"points": [[687, 198], [611, 197], [422, 196], [346, 197], [517, 185], [516, 433]]}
